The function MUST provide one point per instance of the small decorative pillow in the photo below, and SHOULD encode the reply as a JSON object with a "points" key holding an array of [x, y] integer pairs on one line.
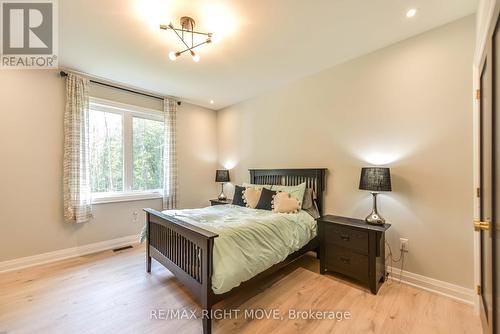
{"points": [[251, 197], [266, 199], [284, 203], [296, 191], [238, 196]]}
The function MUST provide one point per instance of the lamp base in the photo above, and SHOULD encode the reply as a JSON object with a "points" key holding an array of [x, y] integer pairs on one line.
{"points": [[222, 197], [374, 218]]}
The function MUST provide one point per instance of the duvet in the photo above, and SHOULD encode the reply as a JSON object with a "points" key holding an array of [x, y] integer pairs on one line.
{"points": [[250, 240]]}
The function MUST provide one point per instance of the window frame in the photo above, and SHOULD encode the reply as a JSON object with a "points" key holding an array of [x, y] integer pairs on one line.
{"points": [[128, 112]]}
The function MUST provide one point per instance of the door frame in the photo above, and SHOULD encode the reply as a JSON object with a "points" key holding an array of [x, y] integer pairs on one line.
{"points": [[487, 19]]}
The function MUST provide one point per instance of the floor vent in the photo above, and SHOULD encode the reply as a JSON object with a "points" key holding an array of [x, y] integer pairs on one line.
{"points": [[122, 248]]}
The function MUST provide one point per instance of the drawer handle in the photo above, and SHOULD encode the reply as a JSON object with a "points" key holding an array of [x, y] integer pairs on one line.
{"points": [[345, 237], [345, 260]]}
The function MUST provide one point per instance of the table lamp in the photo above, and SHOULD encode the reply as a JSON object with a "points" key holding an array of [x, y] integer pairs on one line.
{"points": [[375, 179]]}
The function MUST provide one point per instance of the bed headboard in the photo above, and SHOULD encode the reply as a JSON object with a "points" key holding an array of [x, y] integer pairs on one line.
{"points": [[313, 177]]}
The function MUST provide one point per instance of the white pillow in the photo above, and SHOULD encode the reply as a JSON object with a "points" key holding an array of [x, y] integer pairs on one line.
{"points": [[256, 186]]}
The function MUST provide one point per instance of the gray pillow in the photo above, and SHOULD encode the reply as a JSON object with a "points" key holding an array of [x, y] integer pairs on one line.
{"points": [[309, 203]]}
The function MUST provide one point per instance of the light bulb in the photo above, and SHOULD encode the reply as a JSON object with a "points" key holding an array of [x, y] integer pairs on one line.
{"points": [[196, 57], [212, 102], [411, 12], [172, 55]]}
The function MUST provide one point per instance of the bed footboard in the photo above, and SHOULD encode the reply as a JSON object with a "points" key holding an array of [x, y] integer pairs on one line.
{"points": [[187, 251]]}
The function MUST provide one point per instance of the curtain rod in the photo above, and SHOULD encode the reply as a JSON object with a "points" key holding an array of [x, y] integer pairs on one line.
{"points": [[64, 74]]}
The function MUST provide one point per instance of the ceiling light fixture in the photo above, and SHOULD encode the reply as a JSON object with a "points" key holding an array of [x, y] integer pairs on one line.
{"points": [[187, 27], [411, 12]]}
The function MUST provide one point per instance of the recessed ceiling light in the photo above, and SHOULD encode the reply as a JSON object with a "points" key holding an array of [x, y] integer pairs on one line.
{"points": [[411, 12], [212, 102]]}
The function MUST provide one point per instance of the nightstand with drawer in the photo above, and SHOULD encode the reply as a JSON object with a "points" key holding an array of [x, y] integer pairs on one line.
{"points": [[353, 248]]}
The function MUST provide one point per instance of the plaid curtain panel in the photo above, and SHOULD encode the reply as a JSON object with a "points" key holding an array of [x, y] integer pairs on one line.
{"points": [[76, 175], [170, 155]]}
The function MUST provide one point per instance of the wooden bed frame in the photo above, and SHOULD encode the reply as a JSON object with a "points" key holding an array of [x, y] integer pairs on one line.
{"points": [[187, 250]]}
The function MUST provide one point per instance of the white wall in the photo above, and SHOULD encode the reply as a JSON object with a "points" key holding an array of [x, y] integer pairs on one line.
{"points": [[31, 150], [407, 106]]}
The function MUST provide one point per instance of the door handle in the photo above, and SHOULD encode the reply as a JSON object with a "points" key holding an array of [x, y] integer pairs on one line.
{"points": [[481, 226]]}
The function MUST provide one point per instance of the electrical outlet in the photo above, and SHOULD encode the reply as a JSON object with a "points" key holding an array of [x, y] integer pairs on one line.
{"points": [[135, 217], [404, 245]]}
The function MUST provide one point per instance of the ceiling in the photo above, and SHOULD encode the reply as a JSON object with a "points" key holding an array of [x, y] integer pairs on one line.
{"points": [[260, 44]]}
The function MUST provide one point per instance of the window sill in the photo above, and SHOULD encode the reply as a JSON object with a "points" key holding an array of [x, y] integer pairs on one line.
{"points": [[125, 197]]}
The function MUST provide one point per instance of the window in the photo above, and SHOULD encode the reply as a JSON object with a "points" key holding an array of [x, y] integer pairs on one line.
{"points": [[126, 152], [106, 151], [148, 154]]}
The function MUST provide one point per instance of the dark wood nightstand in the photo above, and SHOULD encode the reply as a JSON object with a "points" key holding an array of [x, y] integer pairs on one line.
{"points": [[219, 202], [353, 248]]}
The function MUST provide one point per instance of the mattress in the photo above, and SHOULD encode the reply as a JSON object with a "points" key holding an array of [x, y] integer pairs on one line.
{"points": [[250, 240]]}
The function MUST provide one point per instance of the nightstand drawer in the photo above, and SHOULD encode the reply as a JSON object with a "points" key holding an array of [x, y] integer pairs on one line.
{"points": [[351, 238], [346, 262]]}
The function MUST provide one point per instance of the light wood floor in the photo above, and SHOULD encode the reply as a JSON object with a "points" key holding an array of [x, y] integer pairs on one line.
{"points": [[111, 292]]}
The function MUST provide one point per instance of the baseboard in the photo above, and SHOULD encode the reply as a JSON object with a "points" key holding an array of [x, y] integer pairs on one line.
{"points": [[433, 285], [67, 253]]}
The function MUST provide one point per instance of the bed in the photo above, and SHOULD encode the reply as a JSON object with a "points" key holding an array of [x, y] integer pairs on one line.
{"points": [[185, 241]]}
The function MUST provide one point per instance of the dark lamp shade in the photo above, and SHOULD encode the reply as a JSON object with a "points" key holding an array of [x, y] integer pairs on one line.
{"points": [[222, 175], [375, 179]]}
